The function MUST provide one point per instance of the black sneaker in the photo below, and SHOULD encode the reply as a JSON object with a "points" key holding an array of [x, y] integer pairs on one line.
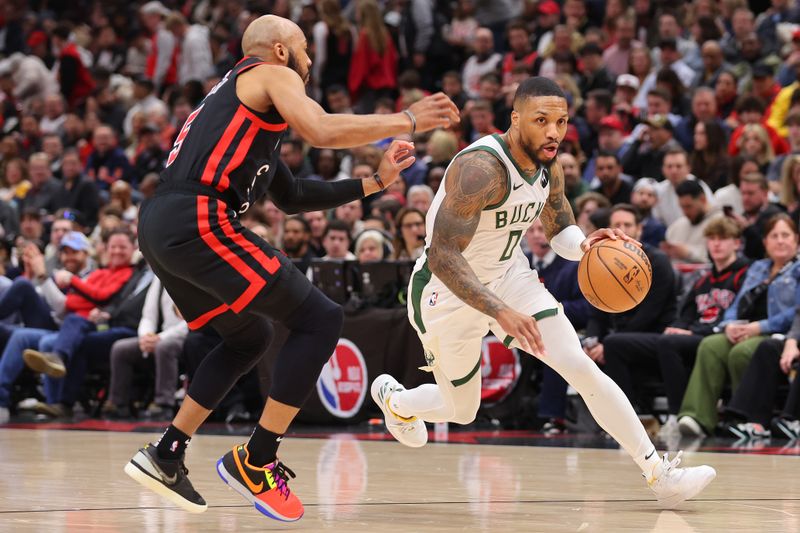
{"points": [[166, 478], [785, 428]]}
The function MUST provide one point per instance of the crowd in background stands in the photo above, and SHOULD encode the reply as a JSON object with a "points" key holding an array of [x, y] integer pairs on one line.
{"points": [[684, 132]]}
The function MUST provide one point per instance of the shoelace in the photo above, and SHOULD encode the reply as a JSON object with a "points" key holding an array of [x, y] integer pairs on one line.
{"points": [[671, 464], [279, 474]]}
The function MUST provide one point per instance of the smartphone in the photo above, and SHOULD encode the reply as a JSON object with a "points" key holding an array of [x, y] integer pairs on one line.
{"points": [[727, 210]]}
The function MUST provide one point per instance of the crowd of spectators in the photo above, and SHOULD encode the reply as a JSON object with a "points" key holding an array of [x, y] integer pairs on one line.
{"points": [[684, 133]]}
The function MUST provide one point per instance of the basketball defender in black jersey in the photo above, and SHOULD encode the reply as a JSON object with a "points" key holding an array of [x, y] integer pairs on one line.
{"points": [[222, 275]]}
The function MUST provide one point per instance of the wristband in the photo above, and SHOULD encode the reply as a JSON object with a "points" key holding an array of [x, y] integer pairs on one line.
{"points": [[379, 181], [567, 243], [413, 120]]}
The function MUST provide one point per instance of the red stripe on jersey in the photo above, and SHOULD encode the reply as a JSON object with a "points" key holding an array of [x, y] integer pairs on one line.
{"points": [[204, 319], [270, 264], [204, 226], [222, 146], [238, 157], [261, 124]]}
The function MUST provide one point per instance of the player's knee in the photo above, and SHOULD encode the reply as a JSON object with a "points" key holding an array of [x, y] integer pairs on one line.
{"points": [[465, 410]]}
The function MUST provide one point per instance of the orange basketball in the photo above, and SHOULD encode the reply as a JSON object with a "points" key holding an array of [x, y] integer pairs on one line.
{"points": [[615, 276]]}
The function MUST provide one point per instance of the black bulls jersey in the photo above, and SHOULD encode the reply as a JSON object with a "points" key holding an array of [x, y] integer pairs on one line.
{"points": [[226, 145]]}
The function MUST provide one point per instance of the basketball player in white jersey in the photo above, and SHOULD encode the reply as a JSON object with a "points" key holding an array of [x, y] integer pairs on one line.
{"points": [[473, 277]]}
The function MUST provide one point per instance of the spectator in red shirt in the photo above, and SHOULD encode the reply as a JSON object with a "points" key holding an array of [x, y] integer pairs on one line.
{"points": [[373, 68], [85, 299], [74, 78]]}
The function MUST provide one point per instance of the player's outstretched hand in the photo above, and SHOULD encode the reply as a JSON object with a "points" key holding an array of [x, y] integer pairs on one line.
{"points": [[435, 111], [396, 159], [523, 328], [606, 233]]}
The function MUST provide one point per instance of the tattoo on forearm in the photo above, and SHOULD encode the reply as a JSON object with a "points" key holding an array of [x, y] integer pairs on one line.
{"points": [[557, 214], [475, 180]]}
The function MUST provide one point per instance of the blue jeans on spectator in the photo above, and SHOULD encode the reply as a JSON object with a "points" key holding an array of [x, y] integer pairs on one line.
{"points": [[94, 348], [11, 363], [21, 296], [553, 396]]}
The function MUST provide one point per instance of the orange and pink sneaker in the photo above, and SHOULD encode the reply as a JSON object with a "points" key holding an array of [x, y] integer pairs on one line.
{"points": [[266, 487]]}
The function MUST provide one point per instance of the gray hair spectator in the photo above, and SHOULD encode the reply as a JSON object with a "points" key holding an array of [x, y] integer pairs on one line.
{"points": [[420, 197]]}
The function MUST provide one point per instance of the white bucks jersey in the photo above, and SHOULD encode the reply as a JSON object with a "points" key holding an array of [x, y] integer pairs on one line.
{"points": [[495, 245]]}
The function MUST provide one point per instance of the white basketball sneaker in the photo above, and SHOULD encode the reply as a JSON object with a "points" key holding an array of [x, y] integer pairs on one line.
{"points": [[409, 431], [673, 485]]}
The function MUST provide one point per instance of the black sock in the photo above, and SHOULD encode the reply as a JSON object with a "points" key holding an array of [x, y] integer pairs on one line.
{"points": [[172, 444], [263, 446]]}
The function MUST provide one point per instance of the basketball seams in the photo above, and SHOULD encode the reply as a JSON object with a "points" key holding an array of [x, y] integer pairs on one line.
{"points": [[591, 285], [634, 257], [613, 275]]}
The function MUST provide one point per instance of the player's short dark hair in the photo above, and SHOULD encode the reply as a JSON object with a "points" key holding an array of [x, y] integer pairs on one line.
{"points": [[301, 220], [536, 86], [628, 208], [690, 188], [337, 225]]}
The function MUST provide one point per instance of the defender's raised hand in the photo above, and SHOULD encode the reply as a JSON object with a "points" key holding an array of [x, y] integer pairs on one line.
{"points": [[435, 111]]}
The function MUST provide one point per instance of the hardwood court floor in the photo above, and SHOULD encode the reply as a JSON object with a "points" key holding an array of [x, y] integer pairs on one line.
{"points": [[72, 481]]}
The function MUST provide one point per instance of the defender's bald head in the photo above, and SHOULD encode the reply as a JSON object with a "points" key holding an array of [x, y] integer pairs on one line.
{"points": [[267, 31]]}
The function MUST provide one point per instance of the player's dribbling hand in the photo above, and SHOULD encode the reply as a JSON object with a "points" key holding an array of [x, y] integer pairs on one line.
{"points": [[396, 159], [435, 111], [523, 328], [606, 233]]}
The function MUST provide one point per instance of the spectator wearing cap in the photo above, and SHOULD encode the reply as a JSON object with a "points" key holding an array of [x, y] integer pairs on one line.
{"points": [[774, 172], [750, 110], [764, 85], [609, 175], [146, 102], [675, 169], [646, 154], [616, 57], [39, 48], [594, 74], [195, 60], [74, 78], [713, 63], [685, 240], [484, 60], [610, 139], [548, 15], [75, 191], [627, 86], [162, 61], [644, 198], [521, 52], [44, 188], [709, 160], [107, 162], [58, 228]]}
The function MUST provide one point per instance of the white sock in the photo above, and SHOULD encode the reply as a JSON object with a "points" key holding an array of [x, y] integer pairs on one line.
{"points": [[605, 400], [425, 402]]}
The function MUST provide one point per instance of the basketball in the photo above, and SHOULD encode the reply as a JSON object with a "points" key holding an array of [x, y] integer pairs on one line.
{"points": [[615, 275]]}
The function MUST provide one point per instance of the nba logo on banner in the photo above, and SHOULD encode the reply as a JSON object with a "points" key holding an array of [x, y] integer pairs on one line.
{"points": [[500, 370], [342, 384]]}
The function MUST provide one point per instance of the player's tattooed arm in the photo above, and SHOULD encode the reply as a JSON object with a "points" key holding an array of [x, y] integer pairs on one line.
{"points": [[557, 213], [475, 180]]}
